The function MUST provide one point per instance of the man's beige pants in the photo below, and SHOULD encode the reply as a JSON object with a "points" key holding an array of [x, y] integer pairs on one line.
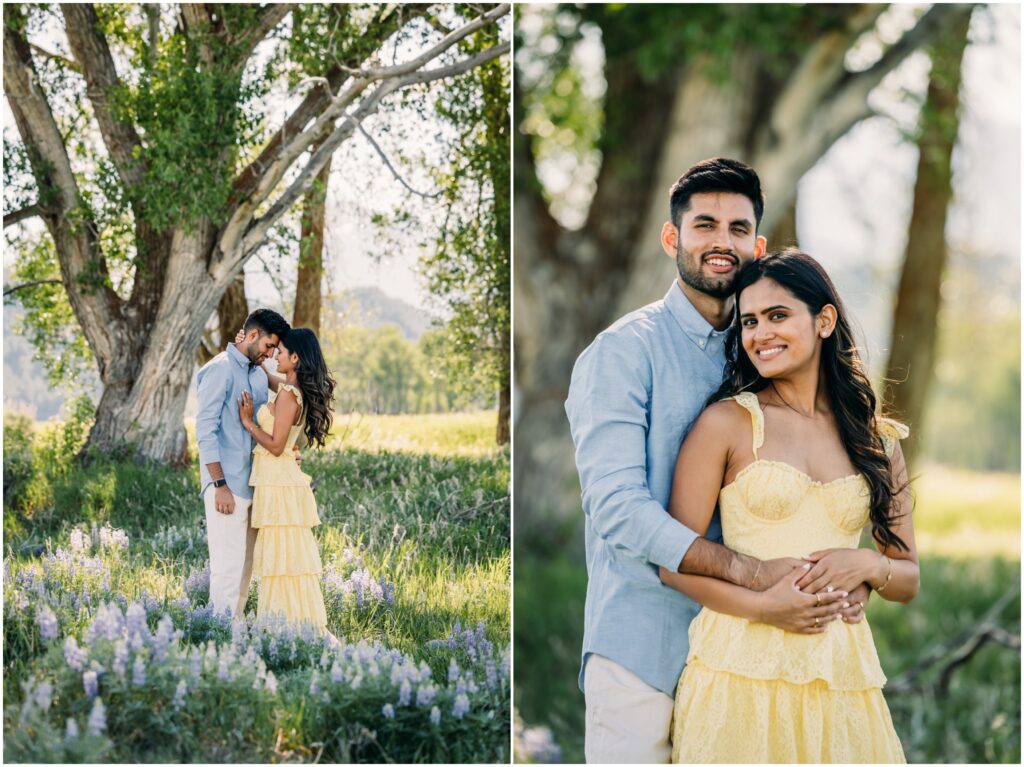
{"points": [[628, 721], [231, 542]]}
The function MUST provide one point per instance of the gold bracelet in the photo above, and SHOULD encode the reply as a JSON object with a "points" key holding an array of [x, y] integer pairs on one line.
{"points": [[756, 573], [888, 577]]}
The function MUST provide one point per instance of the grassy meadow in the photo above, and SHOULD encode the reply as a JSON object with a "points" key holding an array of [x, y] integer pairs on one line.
{"points": [[968, 534], [111, 653]]}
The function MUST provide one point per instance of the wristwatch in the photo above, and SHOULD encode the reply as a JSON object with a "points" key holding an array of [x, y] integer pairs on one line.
{"points": [[219, 482]]}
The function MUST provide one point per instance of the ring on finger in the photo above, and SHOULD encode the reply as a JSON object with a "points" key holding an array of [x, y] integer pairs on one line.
{"points": [[815, 620], [818, 597], [829, 589]]}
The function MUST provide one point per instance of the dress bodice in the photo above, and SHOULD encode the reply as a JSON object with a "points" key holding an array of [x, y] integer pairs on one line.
{"points": [[265, 419]]}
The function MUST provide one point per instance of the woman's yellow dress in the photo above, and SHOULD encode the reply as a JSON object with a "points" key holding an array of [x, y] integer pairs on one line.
{"points": [[753, 693], [286, 560]]}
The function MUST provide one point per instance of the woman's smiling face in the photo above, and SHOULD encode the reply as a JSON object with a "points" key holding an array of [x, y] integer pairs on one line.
{"points": [[779, 333]]}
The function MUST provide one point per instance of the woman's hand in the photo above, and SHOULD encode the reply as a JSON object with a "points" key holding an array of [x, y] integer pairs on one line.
{"points": [[239, 336], [245, 408], [858, 601], [839, 569]]}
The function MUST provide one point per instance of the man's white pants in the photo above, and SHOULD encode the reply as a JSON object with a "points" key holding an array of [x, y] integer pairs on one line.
{"points": [[628, 721], [231, 542]]}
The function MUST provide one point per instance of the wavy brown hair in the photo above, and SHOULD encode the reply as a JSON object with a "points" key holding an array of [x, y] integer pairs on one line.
{"points": [[315, 381], [849, 391]]}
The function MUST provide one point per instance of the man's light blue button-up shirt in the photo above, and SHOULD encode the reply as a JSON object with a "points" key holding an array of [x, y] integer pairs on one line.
{"points": [[635, 393], [219, 429]]}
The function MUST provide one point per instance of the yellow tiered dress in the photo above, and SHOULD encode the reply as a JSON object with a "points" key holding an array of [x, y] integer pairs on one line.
{"points": [[286, 559], [753, 693]]}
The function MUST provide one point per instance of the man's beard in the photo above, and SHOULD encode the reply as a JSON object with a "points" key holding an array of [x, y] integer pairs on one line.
{"points": [[690, 272]]}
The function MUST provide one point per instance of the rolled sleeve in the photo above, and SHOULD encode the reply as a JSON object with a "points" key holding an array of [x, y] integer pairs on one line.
{"points": [[608, 414], [210, 391]]}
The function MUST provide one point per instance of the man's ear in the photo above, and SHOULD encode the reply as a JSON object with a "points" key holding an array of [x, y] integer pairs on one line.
{"points": [[760, 246], [670, 239], [252, 336]]}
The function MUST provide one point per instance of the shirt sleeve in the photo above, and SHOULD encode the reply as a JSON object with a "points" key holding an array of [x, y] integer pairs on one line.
{"points": [[211, 392], [608, 410]]}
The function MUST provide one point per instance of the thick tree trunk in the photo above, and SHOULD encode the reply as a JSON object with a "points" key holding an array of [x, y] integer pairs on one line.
{"points": [[915, 320], [311, 254], [232, 311], [136, 416]]}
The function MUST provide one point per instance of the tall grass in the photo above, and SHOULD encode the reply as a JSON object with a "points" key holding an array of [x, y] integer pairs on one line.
{"points": [[415, 546], [968, 532]]}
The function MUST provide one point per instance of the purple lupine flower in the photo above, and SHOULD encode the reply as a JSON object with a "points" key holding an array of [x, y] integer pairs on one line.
{"points": [[74, 655], [314, 684], [135, 618], [139, 671], [163, 638], [271, 683], [179, 694], [70, 729], [435, 716], [120, 664], [425, 694], [491, 673], [222, 669], [91, 684], [453, 670], [79, 541], [336, 673], [46, 619], [461, 706], [44, 695], [98, 717], [404, 693], [195, 662], [388, 711]]}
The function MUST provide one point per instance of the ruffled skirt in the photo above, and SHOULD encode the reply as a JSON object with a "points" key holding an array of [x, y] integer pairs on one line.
{"points": [[286, 559], [755, 705]]}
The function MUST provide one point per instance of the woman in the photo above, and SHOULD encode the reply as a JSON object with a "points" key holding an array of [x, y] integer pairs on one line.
{"points": [[799, 463], [286, 559]]}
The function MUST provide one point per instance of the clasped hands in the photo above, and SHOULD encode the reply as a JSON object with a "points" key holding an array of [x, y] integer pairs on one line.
{"points": [[246, 414], [805, 595]]}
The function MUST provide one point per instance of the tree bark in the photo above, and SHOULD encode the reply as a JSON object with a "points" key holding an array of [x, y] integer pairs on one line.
{"points": [[915, 324], [308, 300]]}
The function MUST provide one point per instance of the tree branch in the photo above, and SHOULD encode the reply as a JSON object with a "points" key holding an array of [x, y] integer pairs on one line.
{"points": [[391, 167], [256, 231], [62, 60], [93, 55], [32, 284], [17, 216], [272, 16]]}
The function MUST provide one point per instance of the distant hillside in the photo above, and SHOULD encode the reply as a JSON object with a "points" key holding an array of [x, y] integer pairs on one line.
{"points": [[369, 307], [27, 390]]}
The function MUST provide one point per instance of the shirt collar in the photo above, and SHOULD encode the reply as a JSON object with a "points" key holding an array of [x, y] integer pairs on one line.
{"points": [[698, 329], [240, 359]]}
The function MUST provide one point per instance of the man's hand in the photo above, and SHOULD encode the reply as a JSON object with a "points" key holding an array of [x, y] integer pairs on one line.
{"points": [[771, 571], [784, 607], [223, 500]]}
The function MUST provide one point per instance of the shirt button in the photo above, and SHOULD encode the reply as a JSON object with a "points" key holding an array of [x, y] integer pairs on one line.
{"points": [[701, 344]]}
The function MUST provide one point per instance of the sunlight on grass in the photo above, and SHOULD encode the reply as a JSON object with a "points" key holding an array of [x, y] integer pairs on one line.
{"points": [[437, 434], [961, 513]]}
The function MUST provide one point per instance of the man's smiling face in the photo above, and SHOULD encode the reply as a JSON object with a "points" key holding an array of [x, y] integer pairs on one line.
{"points": [[716, 237]]}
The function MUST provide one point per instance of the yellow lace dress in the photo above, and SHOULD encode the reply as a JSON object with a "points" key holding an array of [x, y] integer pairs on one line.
{"points": [[286, 560], [753, 693]]}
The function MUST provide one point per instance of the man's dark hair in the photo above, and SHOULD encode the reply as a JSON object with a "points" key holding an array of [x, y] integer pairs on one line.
{"points": [[718, 174], [267, 321]]}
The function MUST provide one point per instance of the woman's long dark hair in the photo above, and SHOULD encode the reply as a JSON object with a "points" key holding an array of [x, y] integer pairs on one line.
{"points": [[846, 383], [315, 381]]}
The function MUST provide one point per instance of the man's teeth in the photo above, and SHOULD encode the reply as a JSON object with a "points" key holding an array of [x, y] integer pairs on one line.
{"points": [[719, 262], [763, 353]]}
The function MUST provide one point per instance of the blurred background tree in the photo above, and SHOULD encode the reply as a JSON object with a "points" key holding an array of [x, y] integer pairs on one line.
{"points": [[884, 149]]}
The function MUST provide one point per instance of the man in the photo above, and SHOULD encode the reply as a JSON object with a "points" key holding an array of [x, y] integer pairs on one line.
{"points": [[225, 455], [635, 393]]}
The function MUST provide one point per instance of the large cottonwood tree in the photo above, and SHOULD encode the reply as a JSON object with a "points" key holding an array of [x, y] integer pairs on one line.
{"points": [[157, 173], [773, 85]]}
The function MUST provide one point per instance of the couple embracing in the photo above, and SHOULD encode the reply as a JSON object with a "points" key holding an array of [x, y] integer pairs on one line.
{"points": [[730, 451], [260, 509]]}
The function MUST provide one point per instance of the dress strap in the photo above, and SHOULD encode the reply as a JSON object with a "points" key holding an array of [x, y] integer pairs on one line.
{"points": [[891, 432], [748, 401], [293, 389]]}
